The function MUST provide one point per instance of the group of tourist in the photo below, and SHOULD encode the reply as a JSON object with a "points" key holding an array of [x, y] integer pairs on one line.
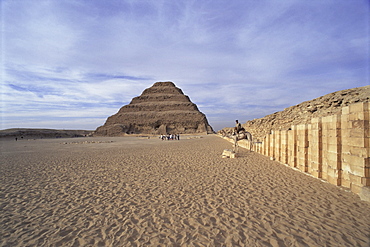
{"points": [[170, 137]]}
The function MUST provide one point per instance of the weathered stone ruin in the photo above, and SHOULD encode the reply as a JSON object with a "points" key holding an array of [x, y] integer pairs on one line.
{"points": [[160, 109], [328, 138], [302, 113]]}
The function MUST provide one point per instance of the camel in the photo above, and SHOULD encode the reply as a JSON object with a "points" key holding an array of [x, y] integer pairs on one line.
{"points": [[240, 136]]}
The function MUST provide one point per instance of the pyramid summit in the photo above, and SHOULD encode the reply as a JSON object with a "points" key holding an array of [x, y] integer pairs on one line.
{"points": [[161, 109]]}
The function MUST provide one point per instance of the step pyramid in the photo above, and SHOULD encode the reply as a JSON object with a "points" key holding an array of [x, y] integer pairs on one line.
{"points": [[161, 109]]}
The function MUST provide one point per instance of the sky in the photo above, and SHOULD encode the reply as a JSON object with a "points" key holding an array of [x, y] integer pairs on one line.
{"points": [[68, 64]]}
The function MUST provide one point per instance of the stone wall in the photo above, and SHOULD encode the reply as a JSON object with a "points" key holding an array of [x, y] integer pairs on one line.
{"points": [[334, 148], [327, 105]]}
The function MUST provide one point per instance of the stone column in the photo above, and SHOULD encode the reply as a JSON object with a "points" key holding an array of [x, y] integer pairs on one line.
{"points": [[315, 148], [272, 144], [356, 147], [292, 146], [263, 149], [277, 145], [284, 146], [302, 152], [331, 134]]}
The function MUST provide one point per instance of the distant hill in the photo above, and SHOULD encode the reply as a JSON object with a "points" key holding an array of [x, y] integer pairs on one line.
{"points": [[24, 133], [302, 113]]}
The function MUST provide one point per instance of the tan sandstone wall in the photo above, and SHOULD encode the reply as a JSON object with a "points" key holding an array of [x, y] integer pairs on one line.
{"points": [[335, 148]]}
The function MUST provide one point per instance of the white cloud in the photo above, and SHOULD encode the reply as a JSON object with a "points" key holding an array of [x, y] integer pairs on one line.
{"points": [[250, 57]]}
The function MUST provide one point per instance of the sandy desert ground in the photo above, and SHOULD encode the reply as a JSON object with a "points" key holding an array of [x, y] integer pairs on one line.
{"points": [[132, 191]]}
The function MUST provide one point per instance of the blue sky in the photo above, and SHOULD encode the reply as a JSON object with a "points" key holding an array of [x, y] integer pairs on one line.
{"points": [[70, 64]]}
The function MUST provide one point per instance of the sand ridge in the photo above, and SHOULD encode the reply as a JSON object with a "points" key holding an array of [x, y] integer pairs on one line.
{"points": [[136, 192]]}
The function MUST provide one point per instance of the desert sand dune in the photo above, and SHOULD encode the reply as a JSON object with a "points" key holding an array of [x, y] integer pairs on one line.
{"points": [[136, 192]]}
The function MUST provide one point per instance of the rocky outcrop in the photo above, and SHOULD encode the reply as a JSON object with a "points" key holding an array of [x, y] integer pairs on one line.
{"points": [[160, 109], [302, 113]]}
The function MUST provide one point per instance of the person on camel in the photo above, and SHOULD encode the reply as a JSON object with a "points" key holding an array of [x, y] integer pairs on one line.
{"points": [[238, 127]]}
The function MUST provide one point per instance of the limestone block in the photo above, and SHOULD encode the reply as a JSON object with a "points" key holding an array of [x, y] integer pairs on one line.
{"points": [[365, 194], [314, 157], [353, 160], [330, 139], [345, 110], [346, 168], [331, 158], [259, 148], [331, 119], [314, 151], [359, 107], [302, 142], [366, 171], [291, 136], [346, 149], [284, 158], [316, 120], [309, 169], [356, 151], [301, 157], [334, 173], [330, 135], [333, 148], [345, 174], [227, 153], [359, 124], [357, 116], [345, 134], [356, 133], [356, 188], [315, 173], [292, 161], [355, 179], [301, 127], [356, 141], [334, 180], [315, 133], [315, 166], [346, 124], [284, 137], [301, 160], [303, 168], [315, 142], [365, 181], [359, 171], [345, 183]]}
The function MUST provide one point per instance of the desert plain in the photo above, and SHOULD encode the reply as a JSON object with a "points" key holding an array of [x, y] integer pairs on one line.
{"points": [[132, 191]]}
